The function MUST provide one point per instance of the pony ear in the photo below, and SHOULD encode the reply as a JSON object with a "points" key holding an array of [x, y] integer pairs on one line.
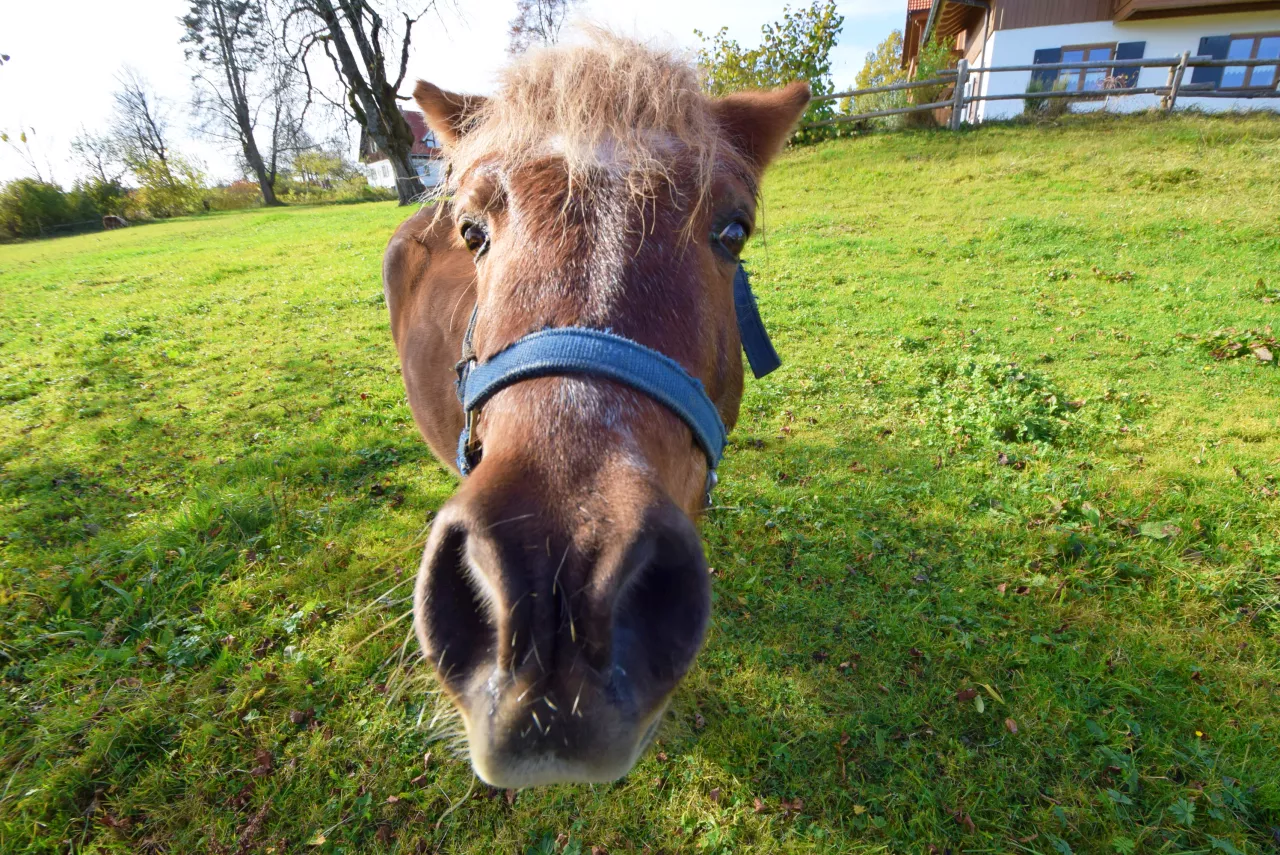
{"points": [[448, 113], [758, 123]]}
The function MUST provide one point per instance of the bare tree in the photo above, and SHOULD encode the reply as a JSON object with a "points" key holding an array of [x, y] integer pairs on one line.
{"points": [[100, 155], [141, 122], [538, 22], [355, 39], [239, 86]]}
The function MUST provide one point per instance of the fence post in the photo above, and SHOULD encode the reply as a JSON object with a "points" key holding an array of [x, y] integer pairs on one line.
{"points": [[1176, 74], [957, 98]]}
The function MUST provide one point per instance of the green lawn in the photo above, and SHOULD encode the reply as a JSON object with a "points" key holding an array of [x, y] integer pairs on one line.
{"points": [[997, 551]]}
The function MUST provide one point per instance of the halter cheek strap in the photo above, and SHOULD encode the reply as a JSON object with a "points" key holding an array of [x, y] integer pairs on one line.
{"points": [[599, 353], [755, 338]]}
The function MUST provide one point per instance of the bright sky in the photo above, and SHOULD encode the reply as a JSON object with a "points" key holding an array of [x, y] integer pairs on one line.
{"points": [[64, 55]]}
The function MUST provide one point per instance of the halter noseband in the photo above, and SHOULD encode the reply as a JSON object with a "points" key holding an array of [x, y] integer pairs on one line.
{"points": [[599, 353]]}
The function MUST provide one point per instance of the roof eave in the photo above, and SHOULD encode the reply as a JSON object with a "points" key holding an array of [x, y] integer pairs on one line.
{"points": [[936, 9]]}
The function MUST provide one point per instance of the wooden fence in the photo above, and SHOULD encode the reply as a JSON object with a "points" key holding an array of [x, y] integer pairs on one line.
{"points": [[958, 79]]}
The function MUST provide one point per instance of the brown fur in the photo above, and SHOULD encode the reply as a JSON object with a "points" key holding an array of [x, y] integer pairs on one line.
{"points": [[563, 592]]}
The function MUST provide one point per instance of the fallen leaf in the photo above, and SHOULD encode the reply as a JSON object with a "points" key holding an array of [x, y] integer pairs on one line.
{"points": [[699, 722], [759, 805], [598, 850], [391, 800], [1000, 589], [965, 695], [1159, 530], [300, 716], [992, 692], [1011, 725], [820, 656], [859, 810], [318, 840], [715, 795], [1263, 353], [383, 835], [265, 765]]}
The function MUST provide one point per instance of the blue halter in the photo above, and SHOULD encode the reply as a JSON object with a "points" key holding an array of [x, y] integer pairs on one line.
{"points": [[597, 353]]}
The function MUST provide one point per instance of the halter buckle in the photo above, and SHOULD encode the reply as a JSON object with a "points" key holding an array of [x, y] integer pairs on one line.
{"points": [[472, 447]]}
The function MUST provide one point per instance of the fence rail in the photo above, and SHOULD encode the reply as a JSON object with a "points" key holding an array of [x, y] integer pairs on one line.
{"points": [[959, 78]]}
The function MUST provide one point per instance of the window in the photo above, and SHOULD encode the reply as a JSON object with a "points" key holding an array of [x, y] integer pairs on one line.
{"points": [[1265, 46], [1119, 76], [1085, 79], [429, 140]]}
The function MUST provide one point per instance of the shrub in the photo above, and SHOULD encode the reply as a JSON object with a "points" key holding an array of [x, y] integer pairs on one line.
{"points": [[96, 198], [991, 398], [354, 188], [169, 189], [30, 208], [318, 169], [235, 196], [796, 48], [1046, 108], [883, 67], [935, 57]]}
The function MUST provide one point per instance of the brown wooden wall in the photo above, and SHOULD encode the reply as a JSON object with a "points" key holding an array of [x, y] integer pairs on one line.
{"points": [[1138, 9], [1016, 14]]}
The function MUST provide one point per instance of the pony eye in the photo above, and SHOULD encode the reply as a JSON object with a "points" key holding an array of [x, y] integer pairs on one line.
{"points": [[733, 238], [474, 236]]}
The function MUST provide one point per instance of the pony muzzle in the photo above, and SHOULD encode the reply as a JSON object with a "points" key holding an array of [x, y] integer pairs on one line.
{"points": [[560, 661]]}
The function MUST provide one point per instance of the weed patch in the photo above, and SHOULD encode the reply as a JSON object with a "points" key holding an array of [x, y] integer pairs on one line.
{"points": [[988, 398], [1231, 343]]}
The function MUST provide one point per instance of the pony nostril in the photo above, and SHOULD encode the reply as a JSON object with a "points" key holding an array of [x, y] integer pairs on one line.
{"points": [[660, 616], [453, 612]]}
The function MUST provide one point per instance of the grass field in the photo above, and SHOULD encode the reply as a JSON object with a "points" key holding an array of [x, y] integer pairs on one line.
{"points": [[997, 552]]}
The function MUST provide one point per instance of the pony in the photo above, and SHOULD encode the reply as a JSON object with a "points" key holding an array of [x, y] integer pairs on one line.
{"points": [[563, 592]]}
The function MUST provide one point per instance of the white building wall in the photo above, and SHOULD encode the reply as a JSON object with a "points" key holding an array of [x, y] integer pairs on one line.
{"points": [[1165, 37], [379, 173]]}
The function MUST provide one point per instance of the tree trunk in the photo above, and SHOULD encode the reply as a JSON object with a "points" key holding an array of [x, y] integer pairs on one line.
{"points": [[374, 100], [226, 36], [265, 182]]}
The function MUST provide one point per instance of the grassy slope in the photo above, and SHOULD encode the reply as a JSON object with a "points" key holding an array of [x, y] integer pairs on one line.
{"points": [[209, 475]]}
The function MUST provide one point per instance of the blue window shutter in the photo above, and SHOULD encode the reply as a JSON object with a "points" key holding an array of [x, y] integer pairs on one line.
{"points": [[1216, 47], [1129, 74], [1046, 78]]}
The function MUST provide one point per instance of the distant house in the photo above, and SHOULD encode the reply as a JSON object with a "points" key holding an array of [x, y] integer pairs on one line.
{"points": [[425, 156], [1035, 32]]}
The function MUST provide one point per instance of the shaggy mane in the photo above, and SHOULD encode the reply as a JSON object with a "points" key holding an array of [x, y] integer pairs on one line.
{"points": [[611, 103]]}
